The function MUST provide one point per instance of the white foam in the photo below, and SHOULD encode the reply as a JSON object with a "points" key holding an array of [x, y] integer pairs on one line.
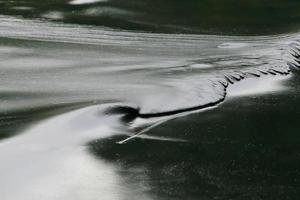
{"points": [[251, 86], [50, 161]]}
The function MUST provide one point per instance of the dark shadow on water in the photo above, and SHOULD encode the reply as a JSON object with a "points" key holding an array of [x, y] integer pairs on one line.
{"points": [[247, 148]]}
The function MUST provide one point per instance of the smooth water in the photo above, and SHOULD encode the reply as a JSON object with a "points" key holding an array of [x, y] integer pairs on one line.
{"points": [[115, 100]]}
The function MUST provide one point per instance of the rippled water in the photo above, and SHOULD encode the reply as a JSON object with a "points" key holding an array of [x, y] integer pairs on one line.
{"points": [[115, 100]]}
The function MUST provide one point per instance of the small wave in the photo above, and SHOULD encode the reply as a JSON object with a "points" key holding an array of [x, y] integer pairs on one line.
{"points": [[166, 74]]}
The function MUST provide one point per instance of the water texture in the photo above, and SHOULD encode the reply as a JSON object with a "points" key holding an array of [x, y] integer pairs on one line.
{"points": [[149, 100]]}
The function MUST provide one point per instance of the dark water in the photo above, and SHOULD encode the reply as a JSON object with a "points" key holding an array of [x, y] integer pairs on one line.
{"points": [[247, 148], [125, 99], [171, 16]]}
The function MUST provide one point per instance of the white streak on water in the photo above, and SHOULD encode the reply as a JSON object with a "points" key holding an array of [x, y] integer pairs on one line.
{"points": [[233, 45], [54, 15], [80, 2], [254, 86], [49, 161]]}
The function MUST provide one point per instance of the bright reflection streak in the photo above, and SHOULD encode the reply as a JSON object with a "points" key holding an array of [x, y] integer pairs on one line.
{"points": [[79, 2]]}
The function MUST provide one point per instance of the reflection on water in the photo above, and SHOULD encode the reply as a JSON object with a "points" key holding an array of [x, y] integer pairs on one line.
{"points": [[78, 2]]}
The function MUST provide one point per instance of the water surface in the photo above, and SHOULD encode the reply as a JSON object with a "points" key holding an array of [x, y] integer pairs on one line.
{"points": [[149, 100]]}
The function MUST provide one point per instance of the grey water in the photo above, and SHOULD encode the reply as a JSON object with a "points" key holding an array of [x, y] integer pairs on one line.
{"points": [[149, 100]]}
